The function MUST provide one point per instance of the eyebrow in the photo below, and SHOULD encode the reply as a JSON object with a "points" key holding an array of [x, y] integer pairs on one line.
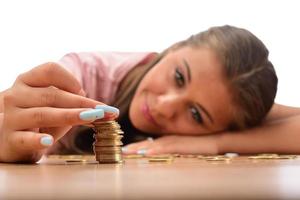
{"points": [[188, 69], [189, 80]]}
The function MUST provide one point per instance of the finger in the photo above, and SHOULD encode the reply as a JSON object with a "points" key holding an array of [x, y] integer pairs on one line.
{"points": [[182, 145], [51, 74], [52, 117], [26, 141], [162, 145], [51, 97], [113, 111], [138, 147]]}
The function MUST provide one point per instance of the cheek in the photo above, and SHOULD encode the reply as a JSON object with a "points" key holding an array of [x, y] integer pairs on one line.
{"points": [[155, 82]]}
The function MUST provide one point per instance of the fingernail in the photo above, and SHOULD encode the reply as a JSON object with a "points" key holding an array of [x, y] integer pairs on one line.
{"points": [[92, 114], [107, 108], [124, 149], [150, 139], [142, 151], [46, 140]]}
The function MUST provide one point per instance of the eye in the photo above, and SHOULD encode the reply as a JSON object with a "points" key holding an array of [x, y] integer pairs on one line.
{"points": [[179, 78], [196, 115]]}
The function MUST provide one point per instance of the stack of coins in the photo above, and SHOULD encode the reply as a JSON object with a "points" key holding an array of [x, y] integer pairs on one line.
{"points": [[107, 145]]}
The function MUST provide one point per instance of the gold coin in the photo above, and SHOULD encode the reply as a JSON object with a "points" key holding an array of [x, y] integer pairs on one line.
{"points": [[170, 159], [268, 154], [217, 159], [105, 143], [97, 152], [75, 160], [109, 148], [108, 136], [115, 156], [162, 156], [287, 157], [264, 156], [133, 156], [109, 131], [70, 156], [188, 156]]}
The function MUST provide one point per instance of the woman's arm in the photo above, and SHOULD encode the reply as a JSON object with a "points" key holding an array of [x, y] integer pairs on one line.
{"points": [[280, 133], [279, 111], [282, 136]]}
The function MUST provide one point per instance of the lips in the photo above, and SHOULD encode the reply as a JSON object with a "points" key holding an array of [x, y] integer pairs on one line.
{"points": [[147, 114]]}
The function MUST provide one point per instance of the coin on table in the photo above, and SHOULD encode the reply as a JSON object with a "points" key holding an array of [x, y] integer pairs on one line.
{"points": [[170, 159]]}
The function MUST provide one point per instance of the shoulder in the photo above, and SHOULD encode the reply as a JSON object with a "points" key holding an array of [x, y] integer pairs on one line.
{"points": [[119, 62]]}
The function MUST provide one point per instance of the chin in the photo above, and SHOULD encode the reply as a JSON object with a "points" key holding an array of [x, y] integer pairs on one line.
{"points": [[137, 122], [132, 116]]}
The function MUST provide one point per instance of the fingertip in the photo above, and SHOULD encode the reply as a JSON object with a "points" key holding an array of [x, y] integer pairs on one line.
{"points": [[91, 114], [108, 109], [30, 141], [46, 140], [152, 152], [126, 150], [110, 116], [142, 151]]}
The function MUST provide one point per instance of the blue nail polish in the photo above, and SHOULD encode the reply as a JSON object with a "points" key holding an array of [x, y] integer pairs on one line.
{"points": [[92, 114], [124, 149], [107, 108], [46, 140], [142, 151]]}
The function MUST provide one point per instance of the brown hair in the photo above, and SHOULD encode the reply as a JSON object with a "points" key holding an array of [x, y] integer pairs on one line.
{"points": [[251, 76]]}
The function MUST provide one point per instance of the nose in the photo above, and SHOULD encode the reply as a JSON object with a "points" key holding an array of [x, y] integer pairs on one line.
{"points": [[167, 105]]}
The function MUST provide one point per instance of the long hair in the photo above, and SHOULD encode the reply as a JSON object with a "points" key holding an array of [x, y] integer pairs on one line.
{"points": [[252, 78]]}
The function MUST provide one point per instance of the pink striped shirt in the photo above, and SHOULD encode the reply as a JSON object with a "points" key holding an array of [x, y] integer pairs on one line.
{"points": [[100, 73]]}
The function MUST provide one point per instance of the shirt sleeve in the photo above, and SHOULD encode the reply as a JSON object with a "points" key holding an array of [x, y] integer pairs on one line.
{"points": [[100, 73]]}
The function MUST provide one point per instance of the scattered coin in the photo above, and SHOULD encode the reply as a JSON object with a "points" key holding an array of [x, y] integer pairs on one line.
{"points": [[214, 158], [272, 156], [75, 160], [166, 159], [161, 156], [188, 156]]}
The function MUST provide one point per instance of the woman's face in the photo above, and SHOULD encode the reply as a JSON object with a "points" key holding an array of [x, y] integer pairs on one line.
{"points": [[183, 94]]}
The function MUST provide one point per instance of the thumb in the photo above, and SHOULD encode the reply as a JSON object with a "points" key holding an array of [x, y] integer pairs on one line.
{"points": [[30, 141]]}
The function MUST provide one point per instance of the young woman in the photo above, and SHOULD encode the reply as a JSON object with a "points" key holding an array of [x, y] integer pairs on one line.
{"points": [[210, 94]]}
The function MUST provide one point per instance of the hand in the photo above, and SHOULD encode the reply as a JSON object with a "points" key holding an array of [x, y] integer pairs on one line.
{"points": [[207, 145], [40, 108]]}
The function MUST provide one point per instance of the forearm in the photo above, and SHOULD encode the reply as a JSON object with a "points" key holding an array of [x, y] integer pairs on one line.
{"points": [[279, 111], [281, 136]]}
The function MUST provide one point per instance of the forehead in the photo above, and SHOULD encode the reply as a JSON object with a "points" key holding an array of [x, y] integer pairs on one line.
{"points": [[201, 60], [208, 86]]}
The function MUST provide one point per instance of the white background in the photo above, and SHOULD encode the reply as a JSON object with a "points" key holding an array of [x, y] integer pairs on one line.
{"points": [[36, 31]]}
